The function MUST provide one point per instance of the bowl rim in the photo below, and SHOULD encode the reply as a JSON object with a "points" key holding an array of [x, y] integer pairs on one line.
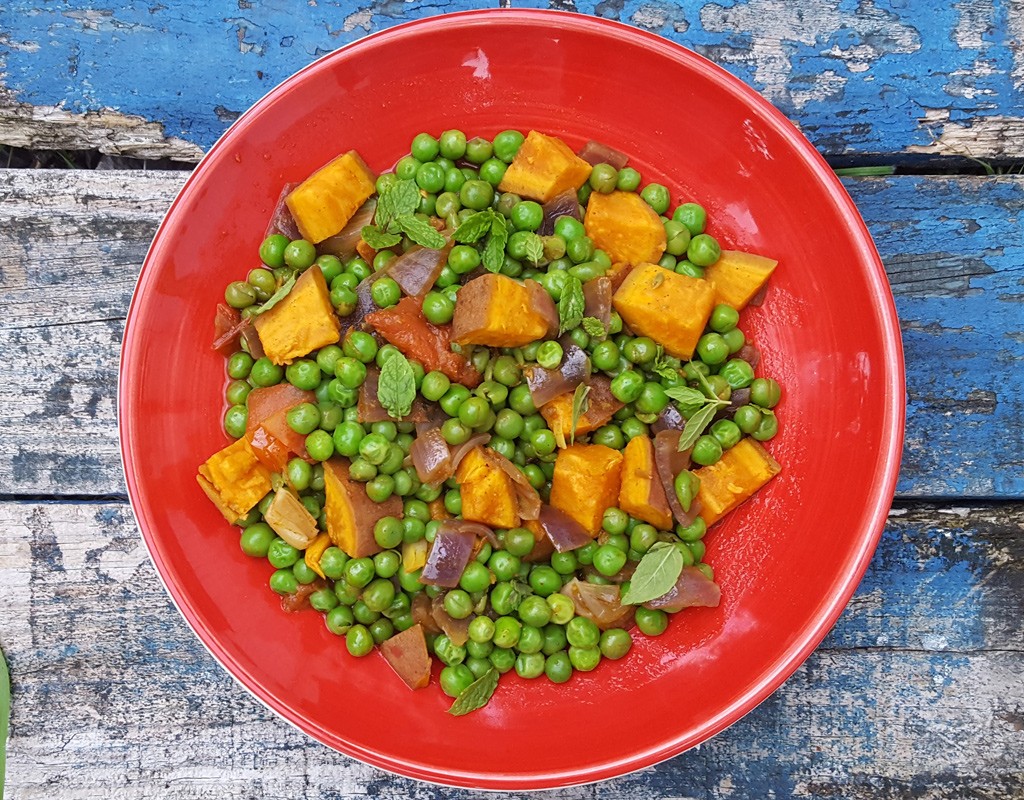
{"points": [[884, 482]]}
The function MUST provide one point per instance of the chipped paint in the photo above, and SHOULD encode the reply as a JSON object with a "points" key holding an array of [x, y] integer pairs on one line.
{"points": [[981, 137]]}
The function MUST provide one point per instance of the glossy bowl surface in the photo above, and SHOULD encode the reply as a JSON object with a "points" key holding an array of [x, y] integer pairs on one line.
{"points": [[788, 560]]}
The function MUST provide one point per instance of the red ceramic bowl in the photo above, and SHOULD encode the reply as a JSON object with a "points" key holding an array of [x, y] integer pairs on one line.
{"points": [[788, 560]]}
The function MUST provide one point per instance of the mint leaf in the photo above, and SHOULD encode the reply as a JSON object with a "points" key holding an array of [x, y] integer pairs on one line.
{"points": [[403, 198], [396, 386], [279, 295], [686, 396], [571, 305], [476, 694], [580, 405], [420, 232], [475, 227], [378, 239], [696, 424], [534, 249], [5, 716], [494, 251], [593, 327], [655, 575]]}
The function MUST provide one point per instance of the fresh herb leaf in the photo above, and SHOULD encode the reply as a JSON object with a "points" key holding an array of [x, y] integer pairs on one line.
{"points": [[696, 424], [686, 396], [396, 387], [475, 227], [476, 694], [279, 295], [5, 716], [594, 327], [494, 250], [378, 239], [401, 198], [534, 249], [571, 305], [655, 575], [420, 232], [580, 405]]}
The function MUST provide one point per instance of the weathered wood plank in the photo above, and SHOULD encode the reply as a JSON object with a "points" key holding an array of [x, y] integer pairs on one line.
{"points": [[872, 80], [113, 694], [71, 249]]}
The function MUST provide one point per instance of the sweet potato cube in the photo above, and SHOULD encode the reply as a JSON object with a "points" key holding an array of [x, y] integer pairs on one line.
{"points": [[497, 311], [625, 227], [314, 552], [642, 494], [234, 479], [741, 471], [351, 515], [323, 203], [407, 654], [738, 276], [303, 321], [488, 494], [543, 167], [586, 483], [601, 406], [670, 308]]}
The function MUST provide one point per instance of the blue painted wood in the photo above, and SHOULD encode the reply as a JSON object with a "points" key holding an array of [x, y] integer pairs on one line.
{"points": [[857, 78]]}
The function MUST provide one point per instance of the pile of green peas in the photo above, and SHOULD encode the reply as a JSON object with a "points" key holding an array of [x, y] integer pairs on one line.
{"points": [[520, 620]]}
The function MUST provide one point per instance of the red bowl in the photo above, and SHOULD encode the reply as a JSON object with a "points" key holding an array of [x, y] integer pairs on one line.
{"points": [[788, 560]]}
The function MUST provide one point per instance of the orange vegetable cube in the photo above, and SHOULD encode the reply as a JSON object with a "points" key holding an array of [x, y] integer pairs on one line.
{"points": [[351, 515], [586, 483], [738, 276], [642, 494], [498, 311], [543, 167], [301, 322], [323, 203], [488, 494], [315, 551], [741, 471], [601, 406], [625, 227], [672, 309], [234, 479]]}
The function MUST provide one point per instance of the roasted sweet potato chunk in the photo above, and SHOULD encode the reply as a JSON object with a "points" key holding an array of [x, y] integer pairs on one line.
{"points": [[586, 483], [498, 311], [351, 515], [407, 654], [741, 471], [642, 494], [670, 308], [543, 167], [738, 276], [327, 199], [303, 321], [625, 227], [488, 494], [234, 479]]}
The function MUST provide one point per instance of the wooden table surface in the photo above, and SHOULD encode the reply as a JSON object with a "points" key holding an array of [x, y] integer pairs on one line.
{"points": [[916, 693]]}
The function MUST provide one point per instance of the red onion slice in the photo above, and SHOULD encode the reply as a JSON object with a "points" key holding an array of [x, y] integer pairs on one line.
{"points": [[416, 270], [595, 153], [692, 588], [597, 294], [564, 532], [547, 384], [599, 603], [669, 420], [455, 629], [477, 440], [566, 204], [449, 555], [431, 457], [281, 221], [670, 462], [750, 354]]}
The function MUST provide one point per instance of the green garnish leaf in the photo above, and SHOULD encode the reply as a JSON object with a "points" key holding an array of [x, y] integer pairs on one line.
{"points": [[696, 424], [655, 575], [534, 249], [5, 716], [685, 396], [594, 328], [401, 198], [494, 250], [571, 305], [475, 227], [476, 694], [279, 295], [396, 387], [580, 405], [420, 232], [378, 239]]}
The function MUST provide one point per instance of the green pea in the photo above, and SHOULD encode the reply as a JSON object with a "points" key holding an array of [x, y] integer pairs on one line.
{"points": [[504, 565], [239, 365], [385, 292], [712, 349], [562, 608], [544, 580], [272, 250], [737, 372], [627, 386], [642, 537], [706, 450], [688, 268], [303, 418], [339, 620], [605, 355], [283, 581], [452, 144], [656, 196], [359, 641], [703, 250], [502, 660], [453, 502], [380, 488], [235, 420], [256, 539], [360, 346], [434, 385], [304, 574], [458, 603], [615, 643], [361, 470], [693, 216], [608, 560], [582, 632], [650, 621], [610, 436], [677, 238], [347, 438], [747, 418], [765, 392], [476, 194], [350, 372], [507, 144], [506, 632], [558, 667], [299, 254], [726, 432], [265, 373], [281, 555], [239, 294], [303, 374], [723, 318], [687, 484], [492, 171], [767, 429], [652, 399], [323, 600]]}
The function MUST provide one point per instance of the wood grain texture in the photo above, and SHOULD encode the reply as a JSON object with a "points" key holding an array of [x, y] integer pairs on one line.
{"points": [[113, 695], [871, 79], [952, 248]]}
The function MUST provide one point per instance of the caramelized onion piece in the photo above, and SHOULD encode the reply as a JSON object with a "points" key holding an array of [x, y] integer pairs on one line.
{"points": [[421, 611], [227, 326], [564, 532], [750, 354], [541, 303], [281, 221], [597, 294], [566, 204], [670, 462], [416, 270], [599, 603], [758, 298], [431, 457], [595, 153], [692, 588], [547, 384], [299, 600], [343, 244], [669, 420], [463, 449], [451, 551], [740, 397], [529, 499], [455, 629]]}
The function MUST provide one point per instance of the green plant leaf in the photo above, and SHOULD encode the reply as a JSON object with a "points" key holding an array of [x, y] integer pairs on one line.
{"points": [[279, 295], [420, 232], [696, 424], [5, 716], [476, 694], [494, 250], [571, 305], [580, 404], [686, 396], [656, 573], [378, 239], [475, 227], [534, 249], [396, 387], [594, 327], [401, 198]]}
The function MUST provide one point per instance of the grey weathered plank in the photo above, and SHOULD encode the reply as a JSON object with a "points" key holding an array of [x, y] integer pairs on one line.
{"points": [[73, 243], [113, 696]]}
